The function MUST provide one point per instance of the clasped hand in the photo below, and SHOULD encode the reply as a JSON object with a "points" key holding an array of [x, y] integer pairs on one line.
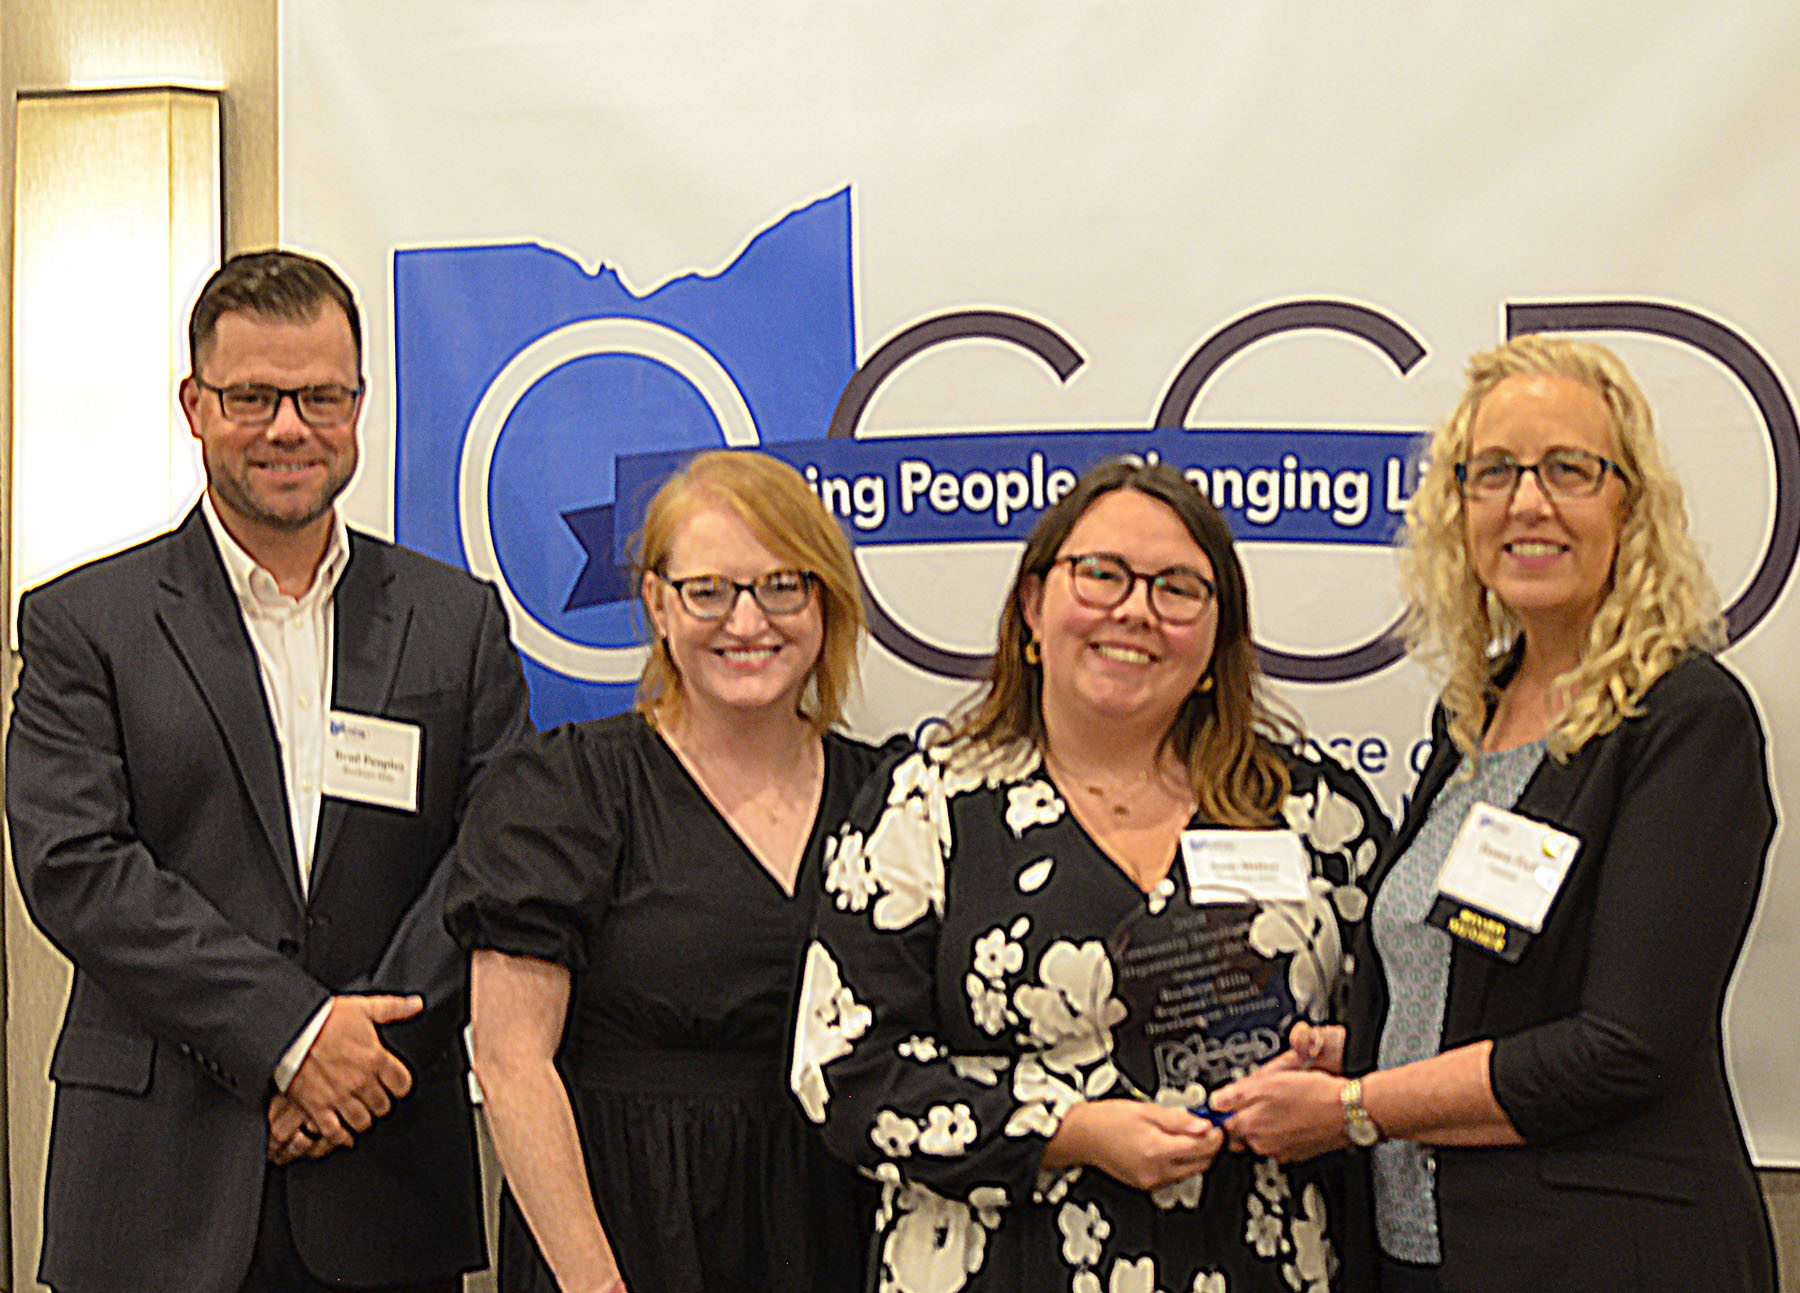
{"points": [[289, 1137], [347, 1080], [1144, 1145], [1291, 1108]]}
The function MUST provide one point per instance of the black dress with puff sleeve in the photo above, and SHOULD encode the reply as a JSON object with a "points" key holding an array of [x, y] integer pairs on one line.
{"points": [[592, 846]]}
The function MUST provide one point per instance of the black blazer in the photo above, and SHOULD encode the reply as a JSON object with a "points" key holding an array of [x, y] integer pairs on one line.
{"points": [[1607, 1049], [151, 835]]}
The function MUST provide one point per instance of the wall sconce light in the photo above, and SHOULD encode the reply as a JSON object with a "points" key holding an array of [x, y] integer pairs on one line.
{"points": [[118, 219]]}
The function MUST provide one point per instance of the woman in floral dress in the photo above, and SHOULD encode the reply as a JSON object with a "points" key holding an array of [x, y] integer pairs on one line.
{"points": [[955, 1034]]}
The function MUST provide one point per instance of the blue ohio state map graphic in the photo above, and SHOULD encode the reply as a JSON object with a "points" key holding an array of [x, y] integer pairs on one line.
{"points": [[551, 373]]}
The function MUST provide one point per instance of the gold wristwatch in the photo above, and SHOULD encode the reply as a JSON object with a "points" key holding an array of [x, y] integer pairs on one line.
{"points": [[1358, 1126]]}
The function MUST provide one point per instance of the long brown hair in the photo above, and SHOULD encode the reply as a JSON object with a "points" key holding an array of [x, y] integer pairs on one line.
{"points": [[1221, 734]]}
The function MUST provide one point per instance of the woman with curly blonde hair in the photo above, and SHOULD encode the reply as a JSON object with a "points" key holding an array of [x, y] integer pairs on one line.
{"points": [[1658, 606], [1538, 1072]]}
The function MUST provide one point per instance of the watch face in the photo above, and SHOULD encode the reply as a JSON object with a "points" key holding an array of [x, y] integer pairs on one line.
{"points": [[1358, 1126]]}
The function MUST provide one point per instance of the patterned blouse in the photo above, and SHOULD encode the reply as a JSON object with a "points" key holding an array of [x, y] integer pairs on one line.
{"points": [[1416, 959], [958, 999]]}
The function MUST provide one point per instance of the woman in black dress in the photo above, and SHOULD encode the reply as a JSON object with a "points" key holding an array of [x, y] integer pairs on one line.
{"points": [[636, 891], [961, 1007]]}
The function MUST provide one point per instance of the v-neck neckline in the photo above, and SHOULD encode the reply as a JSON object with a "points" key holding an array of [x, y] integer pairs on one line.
{"points": [[1112, 862], [747, 853]]}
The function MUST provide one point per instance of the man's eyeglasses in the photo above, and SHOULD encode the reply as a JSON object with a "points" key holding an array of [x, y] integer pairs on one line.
{"points": [[1561, 474], [713, 597], [253, 404], [1102, 580]]}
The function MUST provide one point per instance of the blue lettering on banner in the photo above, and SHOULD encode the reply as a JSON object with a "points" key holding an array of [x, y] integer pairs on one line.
{"points": [[1300, 486]]}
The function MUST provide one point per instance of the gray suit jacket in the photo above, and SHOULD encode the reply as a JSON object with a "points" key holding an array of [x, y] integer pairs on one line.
{"points": [[151, 835]]}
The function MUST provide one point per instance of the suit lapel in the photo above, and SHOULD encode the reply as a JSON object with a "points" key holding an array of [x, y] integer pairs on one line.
{"points": [[368, 629], [196, 608], [1443, 760]]}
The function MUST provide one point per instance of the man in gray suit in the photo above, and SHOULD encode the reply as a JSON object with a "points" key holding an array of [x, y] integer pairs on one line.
{"points": [[238, 756]]}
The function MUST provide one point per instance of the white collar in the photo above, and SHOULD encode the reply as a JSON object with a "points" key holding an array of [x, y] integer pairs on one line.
{"points": [[254, 586]]}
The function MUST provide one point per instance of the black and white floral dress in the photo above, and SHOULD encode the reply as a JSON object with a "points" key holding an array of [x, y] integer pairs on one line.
{"points": [[958, 1000]]}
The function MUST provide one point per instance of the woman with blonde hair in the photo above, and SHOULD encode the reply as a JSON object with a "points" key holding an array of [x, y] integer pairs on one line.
{"points": [[1534, 1042], [963, 1015], [636, 891]]}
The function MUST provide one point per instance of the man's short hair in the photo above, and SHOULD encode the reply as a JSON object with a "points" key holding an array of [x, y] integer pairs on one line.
{"points": [[279, 284]]}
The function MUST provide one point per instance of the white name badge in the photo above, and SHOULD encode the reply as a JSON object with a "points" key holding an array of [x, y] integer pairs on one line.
{"points": [[372, 760], [1245, 866], [1507, 865]]}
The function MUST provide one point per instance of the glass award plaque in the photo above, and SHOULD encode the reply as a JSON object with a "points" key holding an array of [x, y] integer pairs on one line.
{"points": [[1203, 1004]]}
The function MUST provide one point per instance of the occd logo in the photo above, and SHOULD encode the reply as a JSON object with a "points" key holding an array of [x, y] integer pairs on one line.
{"points": [[1404, 350]]}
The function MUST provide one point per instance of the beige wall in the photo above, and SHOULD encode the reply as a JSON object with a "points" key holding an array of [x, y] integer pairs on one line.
{"points": [[230, 44], [224, 44], [227, 44]]}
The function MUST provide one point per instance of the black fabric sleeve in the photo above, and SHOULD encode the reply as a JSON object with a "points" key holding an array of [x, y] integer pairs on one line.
{"points": [[533, 868], [1683, 865]]}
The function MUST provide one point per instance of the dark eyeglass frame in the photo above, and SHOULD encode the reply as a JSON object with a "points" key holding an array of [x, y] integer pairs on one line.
{"points": [[1555, 491], [1153, 580], [758, 589], [294, 393]]}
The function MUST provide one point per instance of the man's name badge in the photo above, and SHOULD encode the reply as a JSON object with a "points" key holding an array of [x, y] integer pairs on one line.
{"points": [[372, 760], [1245, 866], [1498, 882]]}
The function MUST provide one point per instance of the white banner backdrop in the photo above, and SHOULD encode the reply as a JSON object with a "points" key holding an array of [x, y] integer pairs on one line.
{"points": [[584, 234]]}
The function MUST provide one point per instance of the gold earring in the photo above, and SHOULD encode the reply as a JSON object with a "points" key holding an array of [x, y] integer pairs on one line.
{"points": [[1206, 683], [1033, 656]]}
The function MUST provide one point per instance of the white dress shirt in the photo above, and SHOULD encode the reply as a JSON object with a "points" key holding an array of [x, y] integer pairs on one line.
{"points": [[292, 637]]}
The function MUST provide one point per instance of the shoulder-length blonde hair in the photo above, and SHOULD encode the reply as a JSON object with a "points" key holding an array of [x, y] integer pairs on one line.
{"points": [[1659, 606], [787, 518], [1221, 734]]}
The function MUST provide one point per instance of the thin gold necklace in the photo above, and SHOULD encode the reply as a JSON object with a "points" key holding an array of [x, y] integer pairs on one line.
{"points": [[1119, 803]]}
